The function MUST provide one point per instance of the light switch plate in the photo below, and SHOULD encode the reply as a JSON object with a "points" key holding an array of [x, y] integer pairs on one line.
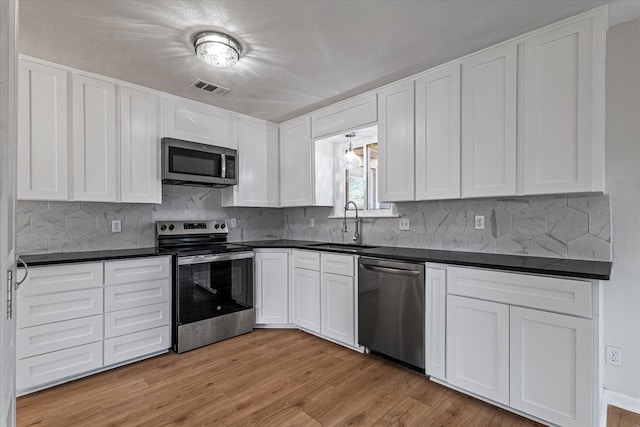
{"points": [[116, 226], [312, 222], [404, 224], [232, 222]]}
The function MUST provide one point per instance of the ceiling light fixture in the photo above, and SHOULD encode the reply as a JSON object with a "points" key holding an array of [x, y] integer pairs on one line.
{"points": [[351, 159], [217, 49]]}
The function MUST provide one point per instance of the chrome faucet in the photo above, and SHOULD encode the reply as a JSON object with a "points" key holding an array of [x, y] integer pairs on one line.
{"points": [[356, 234]]}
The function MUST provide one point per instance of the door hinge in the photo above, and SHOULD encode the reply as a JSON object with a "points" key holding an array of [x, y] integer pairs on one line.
{"points": [[9, 294]]}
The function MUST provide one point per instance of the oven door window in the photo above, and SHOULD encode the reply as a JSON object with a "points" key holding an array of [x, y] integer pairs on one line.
{"points": [[214, 289], [192, 162]]}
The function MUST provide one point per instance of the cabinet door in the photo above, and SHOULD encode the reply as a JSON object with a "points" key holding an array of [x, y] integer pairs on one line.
{"points": [[139, 154], [338, 312], [193, 121], [396, 142], [306, 299], [94, 139], [552, 366], [438, 134], [43, 141], [489, 123], [561, 151], [272, 287], [435, 303], [258, 166], [478, 347], [296, 163]]}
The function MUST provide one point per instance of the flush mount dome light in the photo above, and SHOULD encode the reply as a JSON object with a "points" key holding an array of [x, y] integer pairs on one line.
{"points": [[217, 49]]}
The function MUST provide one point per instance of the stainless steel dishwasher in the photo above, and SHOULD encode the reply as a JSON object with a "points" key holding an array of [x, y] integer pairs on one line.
{"points": [[391, 309]]}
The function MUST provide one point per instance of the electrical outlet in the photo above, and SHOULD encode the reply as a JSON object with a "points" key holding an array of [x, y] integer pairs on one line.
{"points": [[404, 224], [312, 222], [232, 222], [479, 222], [614, 355], [116, 226]]}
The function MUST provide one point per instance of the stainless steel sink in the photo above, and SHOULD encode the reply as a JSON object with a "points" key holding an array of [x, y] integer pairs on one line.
{"points": [[343, 247]]}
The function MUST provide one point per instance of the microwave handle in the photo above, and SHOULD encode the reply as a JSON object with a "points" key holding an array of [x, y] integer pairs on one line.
{"points": [[224, 166]]}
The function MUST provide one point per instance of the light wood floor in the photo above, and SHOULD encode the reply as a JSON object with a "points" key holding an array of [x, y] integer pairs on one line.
{"points": [[268, 378]]}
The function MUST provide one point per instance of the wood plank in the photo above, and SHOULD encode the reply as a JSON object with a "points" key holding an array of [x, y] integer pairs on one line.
{"points": [[617, 417], [268, 377]]}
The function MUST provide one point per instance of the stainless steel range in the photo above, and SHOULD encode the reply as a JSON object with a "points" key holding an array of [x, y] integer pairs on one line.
{"points": [[213, 283]]}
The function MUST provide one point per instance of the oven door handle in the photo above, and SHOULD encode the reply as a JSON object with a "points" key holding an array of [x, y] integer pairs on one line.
{"points": [[203, 259]]}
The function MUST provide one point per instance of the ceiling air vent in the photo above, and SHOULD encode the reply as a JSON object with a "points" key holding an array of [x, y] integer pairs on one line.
{"points": [[210, 87]]}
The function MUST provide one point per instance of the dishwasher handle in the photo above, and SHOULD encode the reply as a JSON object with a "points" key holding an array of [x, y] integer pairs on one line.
{"points": [[391, 270]]}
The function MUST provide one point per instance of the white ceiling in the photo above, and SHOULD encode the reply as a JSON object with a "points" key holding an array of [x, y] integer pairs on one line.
{"points": [[299, 55]]}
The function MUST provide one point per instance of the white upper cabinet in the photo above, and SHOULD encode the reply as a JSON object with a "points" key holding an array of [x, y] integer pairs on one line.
{"points": [[396, 142], [296, 163], [564, 108], [344, 116], [43, 168], [139, 147], [94, 139], [438, 134], [192, 121], [489, 98], [258, 166]]}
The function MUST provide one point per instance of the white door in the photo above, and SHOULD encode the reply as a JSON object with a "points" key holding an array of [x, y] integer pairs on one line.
{"points": [[43, 133], [272, 287], [478, 347], [396, 142], [438, 134], [139, 147], [306, 299], [194, 121], [94, 139], [8, 135], [552, 366], [338, 320], [296, 163], [489, 123], [563, 139]]}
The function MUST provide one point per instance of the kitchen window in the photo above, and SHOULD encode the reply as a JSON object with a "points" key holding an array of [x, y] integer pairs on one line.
{"points": [[360, 185]]}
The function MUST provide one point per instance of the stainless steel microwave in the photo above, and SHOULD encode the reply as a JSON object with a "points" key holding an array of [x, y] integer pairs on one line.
{"points": [[192, 163]]}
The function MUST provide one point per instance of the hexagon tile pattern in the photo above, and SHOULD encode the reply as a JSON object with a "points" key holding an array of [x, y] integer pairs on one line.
{"points": [[562, 226]]}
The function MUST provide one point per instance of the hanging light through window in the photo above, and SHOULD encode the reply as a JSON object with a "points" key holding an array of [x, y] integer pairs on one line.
{"points": [[351, 159]]}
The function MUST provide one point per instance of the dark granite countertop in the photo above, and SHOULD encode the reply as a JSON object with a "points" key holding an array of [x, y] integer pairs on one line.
{"points": [[599, 270], [69, 257]]}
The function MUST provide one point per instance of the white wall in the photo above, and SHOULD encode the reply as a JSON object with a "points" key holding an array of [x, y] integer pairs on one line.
{"points": [[622, 293]]}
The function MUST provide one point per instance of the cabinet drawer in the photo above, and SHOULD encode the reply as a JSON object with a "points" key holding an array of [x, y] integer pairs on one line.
{"points": [[37, 370], [57, 336], [306, 259], [547, 293], [60, 278], [135, 295], [135, 345], [43, 309], [136, 270], [337, 264], [136, 319]]}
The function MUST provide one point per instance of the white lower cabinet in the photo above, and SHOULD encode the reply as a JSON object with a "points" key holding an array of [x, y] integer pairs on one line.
{"points": [[551, 366], [73, 320], [306, 299], [535, 361], [478, 347], [133, 346], [435, 320], [337, 301], [50, 367], [271, 286]]}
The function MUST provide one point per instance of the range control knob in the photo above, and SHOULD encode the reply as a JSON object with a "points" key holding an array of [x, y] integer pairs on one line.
{"points": [[216, 226], [171, 227], [223, 226], [163, 227]]}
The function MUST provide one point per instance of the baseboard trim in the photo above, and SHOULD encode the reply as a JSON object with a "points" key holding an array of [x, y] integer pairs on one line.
{"points": [[620, 400]]}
